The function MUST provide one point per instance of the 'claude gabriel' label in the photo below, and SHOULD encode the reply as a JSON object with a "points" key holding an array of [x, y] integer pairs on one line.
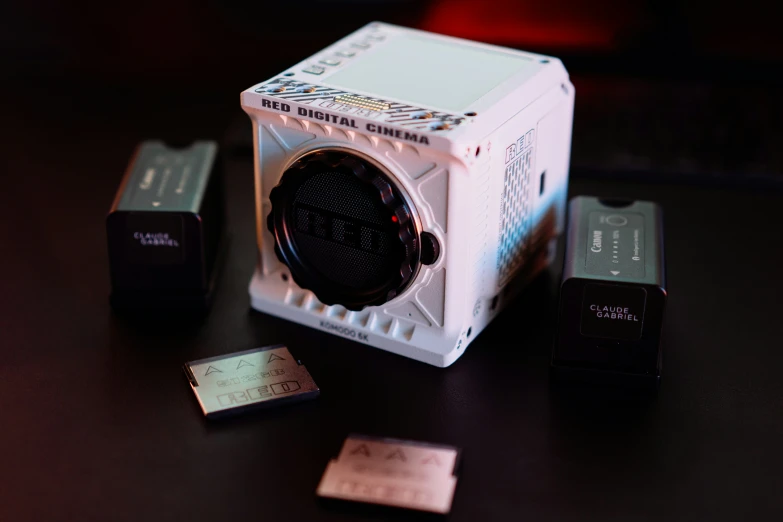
{"points": [[613, 311], [154, 238]]}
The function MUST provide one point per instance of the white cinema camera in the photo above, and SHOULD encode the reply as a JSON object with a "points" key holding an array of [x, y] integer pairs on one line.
{"points": [[407, 185]]}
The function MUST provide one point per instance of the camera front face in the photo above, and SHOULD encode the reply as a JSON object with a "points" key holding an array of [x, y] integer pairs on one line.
{"points": [[344, 228], [400, 186]]}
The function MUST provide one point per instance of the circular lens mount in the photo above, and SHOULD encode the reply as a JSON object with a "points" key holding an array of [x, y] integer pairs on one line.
{"points": [[344, 229]]}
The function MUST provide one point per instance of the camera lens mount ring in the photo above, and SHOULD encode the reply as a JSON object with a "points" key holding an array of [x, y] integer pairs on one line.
{"points": [[344, 229]]}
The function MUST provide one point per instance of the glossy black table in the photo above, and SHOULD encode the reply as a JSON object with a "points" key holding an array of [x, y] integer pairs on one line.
{"points": [[99, 423]]}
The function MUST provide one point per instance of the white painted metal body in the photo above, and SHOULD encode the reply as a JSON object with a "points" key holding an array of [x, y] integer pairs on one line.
{"points": [[475, 185]]}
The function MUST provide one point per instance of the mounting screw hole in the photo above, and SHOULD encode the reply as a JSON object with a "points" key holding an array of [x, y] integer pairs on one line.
{"points": [[284, 277], [470, 331], [471, 113], [288, 74], [544, 61], [478, 149]]}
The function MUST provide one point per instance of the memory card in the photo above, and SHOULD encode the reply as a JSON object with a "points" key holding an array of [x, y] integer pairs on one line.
{"points": [[392, 472], [236, 382]]}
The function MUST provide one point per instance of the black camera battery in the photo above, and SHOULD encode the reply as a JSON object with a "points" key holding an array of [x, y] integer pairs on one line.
{"points": [[166, 228], [612, 295]]}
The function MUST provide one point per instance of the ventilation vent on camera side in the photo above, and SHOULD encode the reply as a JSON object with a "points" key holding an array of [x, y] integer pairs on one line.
{"points": [[515, 215], [481, 257]]}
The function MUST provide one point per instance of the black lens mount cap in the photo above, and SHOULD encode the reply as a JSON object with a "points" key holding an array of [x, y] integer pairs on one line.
{"points": [[344, 230]]}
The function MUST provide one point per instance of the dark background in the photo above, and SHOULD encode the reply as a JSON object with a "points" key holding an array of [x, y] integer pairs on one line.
{"points": [[667, 89], [676, 102]]}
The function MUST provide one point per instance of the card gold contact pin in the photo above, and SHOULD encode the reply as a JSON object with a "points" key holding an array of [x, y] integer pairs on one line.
{"points": [[364, 103]]}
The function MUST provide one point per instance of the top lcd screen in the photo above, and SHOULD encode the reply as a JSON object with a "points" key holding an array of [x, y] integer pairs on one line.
{"points": [[431, 73]]}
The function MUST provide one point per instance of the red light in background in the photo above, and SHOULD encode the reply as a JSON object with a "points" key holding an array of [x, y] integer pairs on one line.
{"points": [[539, 25]]}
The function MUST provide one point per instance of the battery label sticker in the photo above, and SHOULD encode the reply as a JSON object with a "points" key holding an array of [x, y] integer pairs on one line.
{"points": [[168, 180], [615, 244]]}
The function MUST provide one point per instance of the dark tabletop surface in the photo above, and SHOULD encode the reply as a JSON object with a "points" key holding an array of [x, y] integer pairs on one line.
{"points": [[99, 423]]}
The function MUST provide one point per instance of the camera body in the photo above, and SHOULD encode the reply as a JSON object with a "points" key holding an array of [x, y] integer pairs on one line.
{"points": [[407, 185]]}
